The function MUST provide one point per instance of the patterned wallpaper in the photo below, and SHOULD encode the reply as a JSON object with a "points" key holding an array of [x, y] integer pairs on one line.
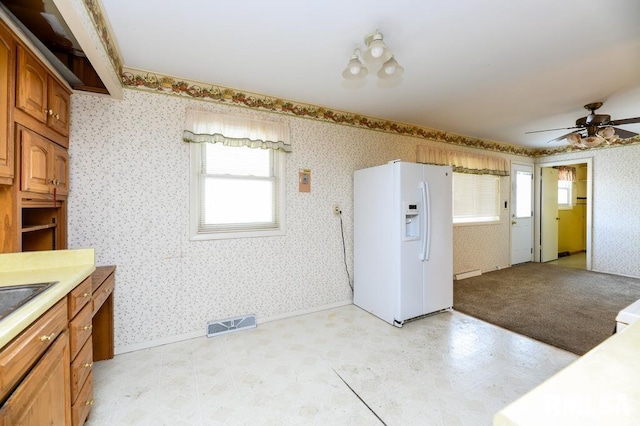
{"points": [[616, 208], [129, 200]]}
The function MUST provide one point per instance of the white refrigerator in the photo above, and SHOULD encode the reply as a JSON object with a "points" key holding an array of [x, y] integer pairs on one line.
{"points": [[403, 240]]}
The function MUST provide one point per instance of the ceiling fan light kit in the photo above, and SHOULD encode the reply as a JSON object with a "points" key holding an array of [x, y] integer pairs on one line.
{"points": [[378, 55], [599, 129]]}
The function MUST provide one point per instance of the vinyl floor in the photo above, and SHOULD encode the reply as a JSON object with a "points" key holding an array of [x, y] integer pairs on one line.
{"points": [[341, 366]]}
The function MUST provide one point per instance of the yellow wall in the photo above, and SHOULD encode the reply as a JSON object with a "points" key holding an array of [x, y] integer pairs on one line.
{"points": [[572, 226]]}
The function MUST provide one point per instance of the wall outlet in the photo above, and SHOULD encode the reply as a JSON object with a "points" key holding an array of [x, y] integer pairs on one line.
{"points": [[336, 210]]}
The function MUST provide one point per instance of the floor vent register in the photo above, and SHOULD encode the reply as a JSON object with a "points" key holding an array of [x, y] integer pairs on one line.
{"points": [[216, 328]]}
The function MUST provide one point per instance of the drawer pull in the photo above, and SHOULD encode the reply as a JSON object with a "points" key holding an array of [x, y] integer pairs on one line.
{"points": [[87, 365], [87, 327], [107, 290], [86, 295], [47, 338], [90, 402]]}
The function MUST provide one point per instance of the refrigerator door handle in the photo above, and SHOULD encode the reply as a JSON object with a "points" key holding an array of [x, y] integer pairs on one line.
{"points": [[426, 214]]}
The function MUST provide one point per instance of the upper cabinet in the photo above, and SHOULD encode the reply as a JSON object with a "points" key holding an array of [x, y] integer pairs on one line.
{"points": [[39, 95], [7, 65], [45, 165]]}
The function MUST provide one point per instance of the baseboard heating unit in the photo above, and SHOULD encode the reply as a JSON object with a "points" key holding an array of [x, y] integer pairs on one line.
{"points": [[229, 325], [469, 274]]}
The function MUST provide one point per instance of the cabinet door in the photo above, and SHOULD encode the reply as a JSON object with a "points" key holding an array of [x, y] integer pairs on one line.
{"points": [[7, 58], [58, 103], [31, 96], [43, 397], [60, 170], [36, 153]]}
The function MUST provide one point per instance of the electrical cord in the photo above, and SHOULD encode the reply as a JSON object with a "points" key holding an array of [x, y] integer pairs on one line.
{"points": [[344, 253]]}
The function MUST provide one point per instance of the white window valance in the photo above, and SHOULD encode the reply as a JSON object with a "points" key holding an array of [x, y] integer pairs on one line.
{"points": [[463, 162], [209, 127]]}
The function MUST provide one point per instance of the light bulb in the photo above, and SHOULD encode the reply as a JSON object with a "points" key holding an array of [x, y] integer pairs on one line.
{"points": [[376, 50], [390, 69], [354, 68]]}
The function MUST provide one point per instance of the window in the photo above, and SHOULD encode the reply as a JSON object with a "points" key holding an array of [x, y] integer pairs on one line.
{"points": [[236, 191], [476, 198], [564, 194]]}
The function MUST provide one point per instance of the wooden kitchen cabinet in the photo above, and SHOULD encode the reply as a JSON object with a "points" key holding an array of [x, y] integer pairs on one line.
{"points": [[44, 164], [40, 95], [7, 65], [43, 396], [34, 372]]}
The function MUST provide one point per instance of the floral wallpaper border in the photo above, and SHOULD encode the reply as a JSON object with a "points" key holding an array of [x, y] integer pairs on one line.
{"points": [[143, 80]]}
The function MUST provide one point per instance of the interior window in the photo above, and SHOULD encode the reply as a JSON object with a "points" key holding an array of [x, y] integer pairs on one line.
{"points": [[476, 198], [236, 191], [564, 194]]}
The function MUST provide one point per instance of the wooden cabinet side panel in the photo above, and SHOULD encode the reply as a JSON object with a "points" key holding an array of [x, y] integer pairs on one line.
{"points": [[104, 283], [31, 92], [7, 66]]}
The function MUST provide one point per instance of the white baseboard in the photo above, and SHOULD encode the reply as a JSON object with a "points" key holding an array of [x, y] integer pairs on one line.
{"points": [[468, 274], [202, 333]]}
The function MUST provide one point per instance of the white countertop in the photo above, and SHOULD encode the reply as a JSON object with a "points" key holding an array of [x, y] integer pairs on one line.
{"points": [[600, 388], [68, 267]]}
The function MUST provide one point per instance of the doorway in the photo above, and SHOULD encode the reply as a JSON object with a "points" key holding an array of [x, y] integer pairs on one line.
{"points": [[573, 223]]}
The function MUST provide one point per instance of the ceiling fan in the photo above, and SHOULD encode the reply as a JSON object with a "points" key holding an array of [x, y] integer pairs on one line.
{"points": [[595, 129]]}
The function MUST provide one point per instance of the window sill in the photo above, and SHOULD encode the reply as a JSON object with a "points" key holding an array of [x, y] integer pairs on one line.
{"points": [[237, 235]]}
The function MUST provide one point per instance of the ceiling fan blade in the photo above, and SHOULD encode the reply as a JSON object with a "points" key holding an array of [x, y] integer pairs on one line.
{"points": [[559, 137], [624, 134], [624, 121], [551, 130]]}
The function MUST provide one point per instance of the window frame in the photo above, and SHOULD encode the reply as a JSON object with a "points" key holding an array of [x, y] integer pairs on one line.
{"points": [[475, 222], [195, 234]]}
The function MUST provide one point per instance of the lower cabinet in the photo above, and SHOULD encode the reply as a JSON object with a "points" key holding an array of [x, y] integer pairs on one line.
{"points": [[46, 372], [42, 398]]}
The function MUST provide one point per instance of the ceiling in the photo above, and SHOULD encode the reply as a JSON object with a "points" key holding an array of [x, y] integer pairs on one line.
{"points": [[493, 69]]}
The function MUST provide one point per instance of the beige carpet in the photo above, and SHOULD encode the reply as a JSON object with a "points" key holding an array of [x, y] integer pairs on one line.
{"points": [[569, 308]]}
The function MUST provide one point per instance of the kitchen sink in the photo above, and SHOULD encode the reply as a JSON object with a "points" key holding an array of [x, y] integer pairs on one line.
{"points": [[13, 297]]}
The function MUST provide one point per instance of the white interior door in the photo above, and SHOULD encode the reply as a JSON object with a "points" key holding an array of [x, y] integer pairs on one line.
{"points": [[521, 213], [549, 217]]}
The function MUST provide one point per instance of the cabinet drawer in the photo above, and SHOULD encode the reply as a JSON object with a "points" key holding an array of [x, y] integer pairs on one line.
{"points": [[102, 292], [80, 330], [81, 366], [80, 409], [22, 352], [79, 296]]}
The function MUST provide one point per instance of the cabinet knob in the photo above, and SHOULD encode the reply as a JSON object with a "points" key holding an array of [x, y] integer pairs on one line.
{"points": [[86, 295], [57, 116], [90, 402], [50, 111], [87, 327], [87, 365], [47, 338]]}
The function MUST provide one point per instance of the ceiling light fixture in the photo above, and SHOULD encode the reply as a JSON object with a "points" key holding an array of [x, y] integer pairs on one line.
{"points": [[378, 55], [606, 135]]}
